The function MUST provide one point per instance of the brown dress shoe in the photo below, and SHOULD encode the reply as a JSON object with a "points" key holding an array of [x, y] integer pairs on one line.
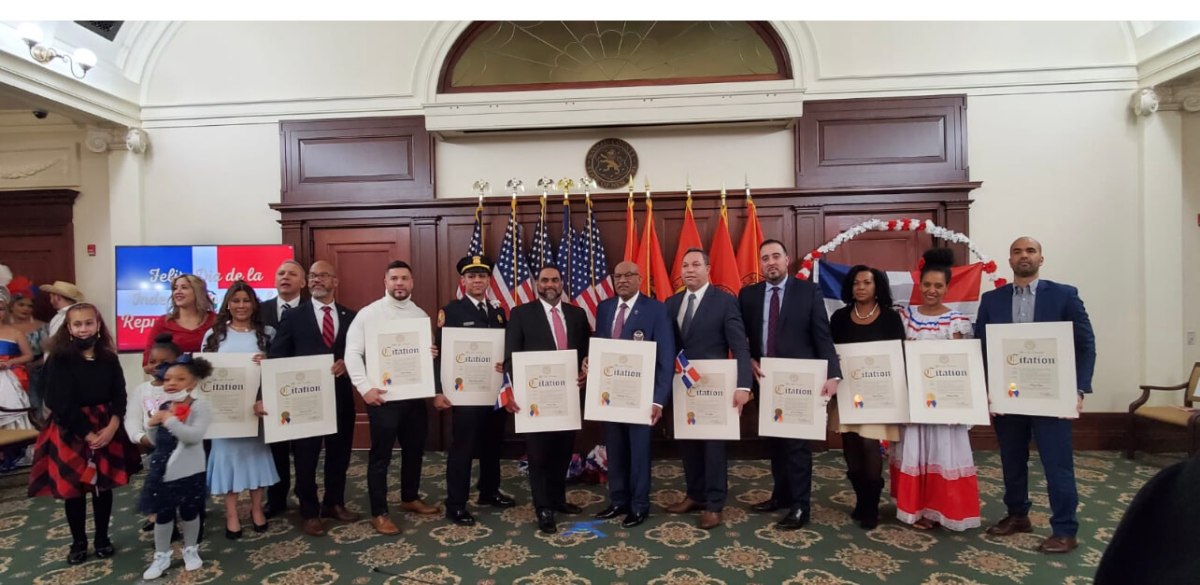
{"points": [[1058, 544], [419, 507], [709, 520], [1011, 525], [687, 505], [340, 512], [384, 525], [312, 527]]}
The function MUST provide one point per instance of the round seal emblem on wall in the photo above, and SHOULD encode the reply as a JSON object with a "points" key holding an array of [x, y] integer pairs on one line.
{"points": [[611, 162]]}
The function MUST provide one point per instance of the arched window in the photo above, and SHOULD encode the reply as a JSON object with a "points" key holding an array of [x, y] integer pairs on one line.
{"points": [[537, 55]]}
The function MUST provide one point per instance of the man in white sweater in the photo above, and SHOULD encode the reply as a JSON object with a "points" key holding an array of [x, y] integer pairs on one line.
{"points": [[405, 420]]}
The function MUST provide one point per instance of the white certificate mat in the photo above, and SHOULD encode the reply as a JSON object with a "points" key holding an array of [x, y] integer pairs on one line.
{"points": [[790, 402], [874, 386], [469, 356], [946, 382], [546, 387], [705, 411], [620, 381], [399, 359], [231, 391], [1031, 369], [298, 395]]}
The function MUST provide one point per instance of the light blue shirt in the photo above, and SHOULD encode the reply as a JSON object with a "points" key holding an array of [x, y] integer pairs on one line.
{"points": [[1024, 300], [766, 322]]}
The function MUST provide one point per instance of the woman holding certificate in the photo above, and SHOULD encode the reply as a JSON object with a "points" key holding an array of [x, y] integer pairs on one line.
{"points": [[867, 316], [933, 470]]}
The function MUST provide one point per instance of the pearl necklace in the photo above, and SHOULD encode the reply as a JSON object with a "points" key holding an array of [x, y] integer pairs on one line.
{"points": [[240, 330], [868, 316]]}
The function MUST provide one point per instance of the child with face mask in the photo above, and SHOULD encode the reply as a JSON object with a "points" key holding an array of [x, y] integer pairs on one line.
{"points": [[149, 393], [175, 482]]}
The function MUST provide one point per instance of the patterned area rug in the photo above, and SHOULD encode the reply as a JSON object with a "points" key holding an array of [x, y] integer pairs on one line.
{"points": [[505, 547]]}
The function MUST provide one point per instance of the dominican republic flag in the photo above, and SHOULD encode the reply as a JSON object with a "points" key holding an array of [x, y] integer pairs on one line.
{"points": [[689, 374], [505, 396], [963, 295]]}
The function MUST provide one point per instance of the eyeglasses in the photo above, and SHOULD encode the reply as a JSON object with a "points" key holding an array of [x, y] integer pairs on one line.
{"points": [[624, 275], [320, 276]]}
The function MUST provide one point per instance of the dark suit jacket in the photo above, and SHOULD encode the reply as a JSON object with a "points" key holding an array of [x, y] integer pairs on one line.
{"points": [[1053, 302], [803, 323], [462, 313], [298, 333], [717, 329], [529, 330], [650, 317], [269, 311]]}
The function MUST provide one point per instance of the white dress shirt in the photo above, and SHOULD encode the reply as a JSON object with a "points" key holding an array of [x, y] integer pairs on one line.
{"points": [[550, 319], [683, 306], [319, 311], [292, 304]]}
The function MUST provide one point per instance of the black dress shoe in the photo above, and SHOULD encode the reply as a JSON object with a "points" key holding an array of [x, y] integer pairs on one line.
{"points": [[634, 519], [104, 549], [233, 534], [261, 528], [568, 508], [78, 553], [612, 512], [497, 500], [767, 506], [545, 520], [794, 520], [460, 517]]}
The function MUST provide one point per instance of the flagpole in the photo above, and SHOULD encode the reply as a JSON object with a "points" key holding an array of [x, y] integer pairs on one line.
{"points": [[481, 186], [646, 240]]}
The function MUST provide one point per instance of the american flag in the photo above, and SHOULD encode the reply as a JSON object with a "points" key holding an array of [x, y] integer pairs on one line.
{"points": [[505, 396], [511, 283], [688, 373], [476, 246], [542, 254], [590, 280], [566, 251]]}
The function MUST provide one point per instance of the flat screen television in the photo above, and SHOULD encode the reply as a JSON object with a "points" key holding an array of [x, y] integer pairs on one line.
{"points": [[144, 276]]}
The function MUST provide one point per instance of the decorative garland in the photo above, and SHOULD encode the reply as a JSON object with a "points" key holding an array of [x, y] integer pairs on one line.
{"points": [[899, 225]]}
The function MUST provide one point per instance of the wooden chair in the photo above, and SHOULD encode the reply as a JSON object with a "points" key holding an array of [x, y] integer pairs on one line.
{"points": [[21, 437], [1186, 416]]}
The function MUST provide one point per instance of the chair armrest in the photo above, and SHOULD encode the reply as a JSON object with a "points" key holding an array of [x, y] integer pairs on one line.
{"points": [[1168, 388], [1136, 404]]}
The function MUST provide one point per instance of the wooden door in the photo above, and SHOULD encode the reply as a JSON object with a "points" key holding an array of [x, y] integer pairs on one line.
{"points": [[882, 250], [361, 256], [37, 239]]}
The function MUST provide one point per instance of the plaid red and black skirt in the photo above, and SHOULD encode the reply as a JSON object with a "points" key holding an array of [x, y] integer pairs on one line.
{"points": [[64, 467]]}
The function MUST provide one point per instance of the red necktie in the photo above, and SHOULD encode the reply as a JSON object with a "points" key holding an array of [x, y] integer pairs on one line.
{"points": [[619, 324], [327, 327], [560, 330], [773, 324]]}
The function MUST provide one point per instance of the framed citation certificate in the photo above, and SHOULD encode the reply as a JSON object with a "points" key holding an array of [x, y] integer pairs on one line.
{"points": [[1031, 369], [791, 405], [469, 356], [946, 382], [546, 387], [705, 410], [298, 395], [620, 381], [874, 386], [231, 390], [398, 358]]}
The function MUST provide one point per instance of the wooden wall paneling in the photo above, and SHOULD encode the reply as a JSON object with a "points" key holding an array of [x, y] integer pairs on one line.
{"points": [[38, 239]]}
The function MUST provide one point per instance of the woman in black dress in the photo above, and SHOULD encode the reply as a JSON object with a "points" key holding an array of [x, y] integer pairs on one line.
{"points": [[867, 316]]}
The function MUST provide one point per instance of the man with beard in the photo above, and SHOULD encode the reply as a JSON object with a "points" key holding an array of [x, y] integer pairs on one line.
{"points": [[289, 283], [1030, 299], [405, 420], [316, 327], [548, 324], [785, 318]]}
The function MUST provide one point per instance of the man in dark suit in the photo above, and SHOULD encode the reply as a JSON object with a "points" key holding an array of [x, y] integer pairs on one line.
{"points": [[319, 327], [786, 318], [478, 431], [631, 315], [708, 325], [548, 324], [1030, 299], [289, 284]]}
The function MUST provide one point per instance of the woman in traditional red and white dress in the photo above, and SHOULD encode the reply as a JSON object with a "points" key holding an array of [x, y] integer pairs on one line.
{"points": [[933, 469]]}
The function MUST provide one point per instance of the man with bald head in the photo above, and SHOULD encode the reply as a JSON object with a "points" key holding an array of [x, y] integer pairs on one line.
{"points": [[629, 315], [1031, 299]]}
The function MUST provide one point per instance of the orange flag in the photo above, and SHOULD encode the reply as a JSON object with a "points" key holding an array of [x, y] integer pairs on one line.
{"points": [[631, 243], [689, 237], [724, 273], [656, 283], [749, 270]]}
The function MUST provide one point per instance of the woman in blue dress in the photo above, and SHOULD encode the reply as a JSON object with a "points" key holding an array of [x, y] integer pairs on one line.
{"points": [[236, 465], [14, 354]]}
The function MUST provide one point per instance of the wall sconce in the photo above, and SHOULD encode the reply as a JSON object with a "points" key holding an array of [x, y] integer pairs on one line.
{"points": [[32, 35]]}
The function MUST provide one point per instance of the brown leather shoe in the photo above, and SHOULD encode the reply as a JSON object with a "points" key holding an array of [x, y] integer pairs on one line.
{"points": [[340, 512], [1011, 525], [384, 525], [419, 507], [312, 527], [709, 520], [1058, 544], [687, 505]]}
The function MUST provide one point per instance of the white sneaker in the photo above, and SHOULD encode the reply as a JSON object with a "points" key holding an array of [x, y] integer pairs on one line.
{"points": [[162, 562], [191, 557]]}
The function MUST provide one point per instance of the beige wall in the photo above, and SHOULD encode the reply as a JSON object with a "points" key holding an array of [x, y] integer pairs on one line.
{"points": [[1191, 236]]}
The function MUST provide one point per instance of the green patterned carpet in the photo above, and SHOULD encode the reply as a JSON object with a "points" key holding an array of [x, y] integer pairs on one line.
{"points": [[505, 547]]}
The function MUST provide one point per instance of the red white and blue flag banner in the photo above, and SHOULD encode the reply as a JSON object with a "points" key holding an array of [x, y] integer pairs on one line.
{"points": [[511, 279], [505, 396], [690, 374], [961, 296], [475, 248], [590, 279]]}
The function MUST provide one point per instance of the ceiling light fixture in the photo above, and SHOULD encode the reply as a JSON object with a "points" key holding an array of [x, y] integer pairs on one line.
{"points": [[83, 58]]}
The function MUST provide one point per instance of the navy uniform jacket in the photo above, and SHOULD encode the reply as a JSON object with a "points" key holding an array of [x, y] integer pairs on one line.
{"points": [[803, 323], [463, 313], [649, 317], [717, 330]]}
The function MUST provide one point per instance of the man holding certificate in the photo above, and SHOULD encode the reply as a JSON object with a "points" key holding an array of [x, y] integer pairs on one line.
{"points": [[708, 326], [637, 317], [476, 429], [1028, 300], [785, 317], [405, 420], [548, 324]]}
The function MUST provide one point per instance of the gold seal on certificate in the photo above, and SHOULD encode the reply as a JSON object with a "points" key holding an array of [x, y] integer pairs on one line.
{"points": [[874, 388], [231, 391], [946, 382], [546, 388], [704, 410], [298, 396], [469, 355], [792, 406], [1031, 369], [620, 383], [398, 357]]}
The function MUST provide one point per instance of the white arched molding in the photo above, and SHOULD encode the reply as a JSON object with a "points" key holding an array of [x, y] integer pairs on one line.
{"points": [[779, 100]]}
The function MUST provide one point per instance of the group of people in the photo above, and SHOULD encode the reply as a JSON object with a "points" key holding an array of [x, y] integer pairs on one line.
{"points": [[91, 442]]}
